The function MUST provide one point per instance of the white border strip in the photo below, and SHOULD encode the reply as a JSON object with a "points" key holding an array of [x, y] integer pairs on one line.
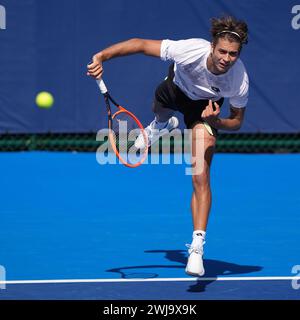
{"points": [[147, 280]]}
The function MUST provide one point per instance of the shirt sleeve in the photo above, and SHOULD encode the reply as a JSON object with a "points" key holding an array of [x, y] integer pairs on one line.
{"points": [[182, 51], [166, 50], [241, 99]]}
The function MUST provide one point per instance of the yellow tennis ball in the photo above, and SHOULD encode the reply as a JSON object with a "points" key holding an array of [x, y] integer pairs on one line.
{"points": [[44, 100]]}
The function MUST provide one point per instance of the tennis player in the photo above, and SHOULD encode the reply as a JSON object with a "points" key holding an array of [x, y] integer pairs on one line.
{"points": [[201, 75]]}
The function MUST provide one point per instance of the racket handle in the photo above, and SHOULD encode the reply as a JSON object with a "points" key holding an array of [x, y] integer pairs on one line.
{"points": [[102, 86]]}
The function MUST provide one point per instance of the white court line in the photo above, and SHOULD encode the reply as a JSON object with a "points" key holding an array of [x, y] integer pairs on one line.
{"points": [[147, 280]]}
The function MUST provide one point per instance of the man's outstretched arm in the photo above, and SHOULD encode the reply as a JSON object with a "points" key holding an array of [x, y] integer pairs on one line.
{"points": [[125, 48]]}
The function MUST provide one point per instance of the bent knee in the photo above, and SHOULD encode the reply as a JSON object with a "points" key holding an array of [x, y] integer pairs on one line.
{"points": [[201, 180]]}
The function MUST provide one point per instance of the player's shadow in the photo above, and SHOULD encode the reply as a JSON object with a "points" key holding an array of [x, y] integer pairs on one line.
{"points": [[213, 269]]}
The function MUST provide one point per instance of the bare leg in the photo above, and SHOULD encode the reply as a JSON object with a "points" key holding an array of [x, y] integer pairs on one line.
{"points": [[201, 197]]}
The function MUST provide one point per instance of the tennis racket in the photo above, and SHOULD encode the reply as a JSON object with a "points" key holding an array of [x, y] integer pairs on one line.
{"points": [[124, 130]]}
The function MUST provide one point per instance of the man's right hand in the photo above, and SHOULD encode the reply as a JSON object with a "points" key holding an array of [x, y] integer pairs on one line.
{"points": [[95, 69]]}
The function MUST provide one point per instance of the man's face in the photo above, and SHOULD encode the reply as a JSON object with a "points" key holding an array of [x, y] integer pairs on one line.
{"points": [[224, 55]]}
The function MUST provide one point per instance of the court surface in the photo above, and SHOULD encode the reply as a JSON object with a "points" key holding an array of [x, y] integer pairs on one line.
{"points": [[74, 229]]}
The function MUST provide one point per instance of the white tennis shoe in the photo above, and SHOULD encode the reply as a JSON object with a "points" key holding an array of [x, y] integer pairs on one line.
{"points": [[194, 265], [153, 133]]}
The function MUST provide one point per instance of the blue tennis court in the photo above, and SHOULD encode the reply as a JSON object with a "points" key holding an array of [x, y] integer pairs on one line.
{"points": [[74, 229]]}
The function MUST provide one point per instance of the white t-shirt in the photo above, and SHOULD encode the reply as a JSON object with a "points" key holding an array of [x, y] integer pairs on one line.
{"points": [[196, 81]]}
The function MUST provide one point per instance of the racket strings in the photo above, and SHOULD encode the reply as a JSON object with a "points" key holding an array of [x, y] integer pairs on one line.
{"points": [[125, 133]]}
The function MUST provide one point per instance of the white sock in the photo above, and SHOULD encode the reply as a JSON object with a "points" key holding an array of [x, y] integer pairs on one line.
{"points": [[160, 125], [198, 237]]}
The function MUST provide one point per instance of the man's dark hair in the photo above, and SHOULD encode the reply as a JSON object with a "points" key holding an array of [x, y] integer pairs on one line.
{"points": [[229, 28]]}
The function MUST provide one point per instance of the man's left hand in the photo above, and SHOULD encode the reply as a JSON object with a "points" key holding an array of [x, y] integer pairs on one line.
{"points": [[211, 114]]}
